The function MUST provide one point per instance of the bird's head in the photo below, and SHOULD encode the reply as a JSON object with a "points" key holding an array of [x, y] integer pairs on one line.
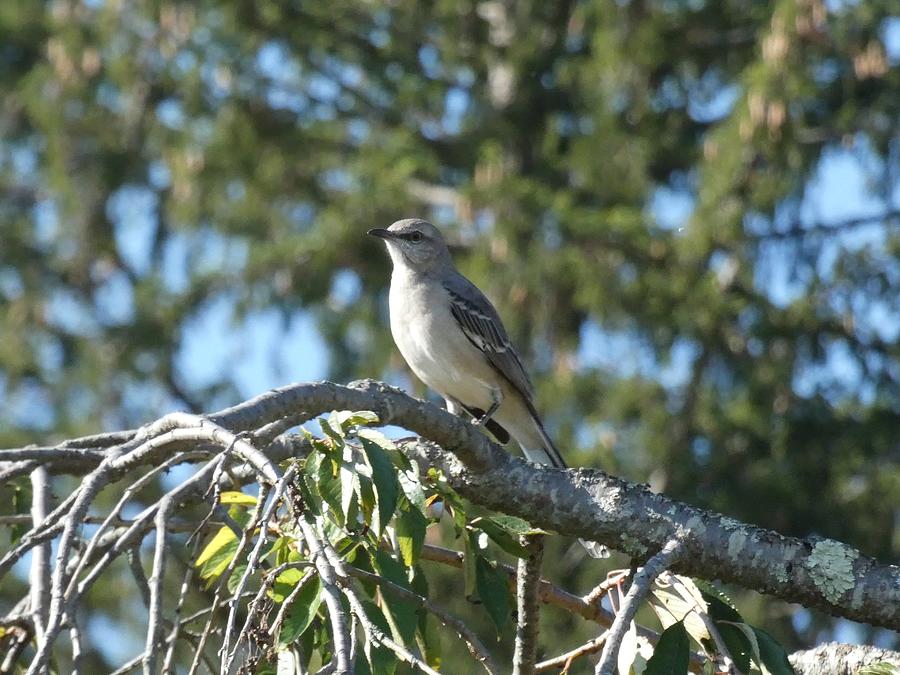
{"points": [[414, 243]]}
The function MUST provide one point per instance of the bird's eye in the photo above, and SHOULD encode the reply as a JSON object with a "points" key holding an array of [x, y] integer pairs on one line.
{"points": [[415, 237]]}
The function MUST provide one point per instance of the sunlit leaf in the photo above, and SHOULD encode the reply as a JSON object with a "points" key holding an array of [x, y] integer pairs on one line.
{"points": [[284, 583], [233, 497], [384, 475], [674, 599], [501, 536], [410, 527], [216, 555]]}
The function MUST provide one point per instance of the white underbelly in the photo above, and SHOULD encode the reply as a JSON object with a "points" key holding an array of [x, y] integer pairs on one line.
{"points": [[440, 355]]}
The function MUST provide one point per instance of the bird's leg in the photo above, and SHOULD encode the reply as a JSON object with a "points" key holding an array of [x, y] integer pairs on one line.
{"points": [[454, 407], [496, 400]]}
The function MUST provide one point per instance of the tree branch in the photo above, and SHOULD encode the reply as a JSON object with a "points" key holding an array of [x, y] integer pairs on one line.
{"points": [[817, 573], [528, 582], [840, 659], [640, 586]]}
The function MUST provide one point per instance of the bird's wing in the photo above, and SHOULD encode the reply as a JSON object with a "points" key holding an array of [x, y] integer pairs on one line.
{"points": [[481, 324]]}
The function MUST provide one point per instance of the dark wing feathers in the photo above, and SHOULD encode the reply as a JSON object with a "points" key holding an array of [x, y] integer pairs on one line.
{"points": [[481, 324]]}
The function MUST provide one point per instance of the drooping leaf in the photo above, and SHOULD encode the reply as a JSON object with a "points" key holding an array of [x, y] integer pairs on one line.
{"points": [[738, 644], [346, 419], [410, 527], [397, 457], [672, 653], [381, 661], [348, 476], [329, 485], [675, 598], [302, 611], [332, 429], [217, 554], [400, 612], [630, 659], [774, 658], [288, 662], [493, 591], [384, 476], [719, 605]]}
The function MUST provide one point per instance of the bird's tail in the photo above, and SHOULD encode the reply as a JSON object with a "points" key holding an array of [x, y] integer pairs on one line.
{"points": [[547, 453]]}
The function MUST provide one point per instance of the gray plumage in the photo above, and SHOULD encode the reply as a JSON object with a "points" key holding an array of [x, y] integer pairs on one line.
{"points": [[454, 341]]}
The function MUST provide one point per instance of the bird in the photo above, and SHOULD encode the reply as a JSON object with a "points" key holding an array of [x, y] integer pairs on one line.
{"points": [[453, 339]]}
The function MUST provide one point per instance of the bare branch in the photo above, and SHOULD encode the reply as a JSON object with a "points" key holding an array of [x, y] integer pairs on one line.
{"points": [[528, 582], [564, 660], [40, 558]]}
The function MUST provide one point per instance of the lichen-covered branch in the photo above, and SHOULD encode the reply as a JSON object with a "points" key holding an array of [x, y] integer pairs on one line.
{"points": [[587, 503]]}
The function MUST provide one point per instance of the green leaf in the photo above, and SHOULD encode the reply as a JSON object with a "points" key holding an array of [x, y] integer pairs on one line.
{"points": [[410, 527], [385, 478], [302, 611], [346, 419], [672, 653], [748, 632], [367, 504], [493, 591], [232, 497], [517, 526], [284, 583], [429, 641], [329, 484], [381, 660], [774, 658], [217, 554], [501, 536], [348, 476], [400, 613], [386, 444], [719, 604], [742, 651], [332, 430], [470, 553]]}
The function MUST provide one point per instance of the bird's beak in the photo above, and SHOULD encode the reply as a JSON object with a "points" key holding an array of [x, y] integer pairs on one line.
{"points": [[381, 233]]}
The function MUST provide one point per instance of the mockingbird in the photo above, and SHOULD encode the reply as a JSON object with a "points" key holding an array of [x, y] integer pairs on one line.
{"points": [[454, 341]]}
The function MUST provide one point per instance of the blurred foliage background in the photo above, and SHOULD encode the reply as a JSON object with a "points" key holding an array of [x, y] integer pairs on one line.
{"points": [[687, 213]]}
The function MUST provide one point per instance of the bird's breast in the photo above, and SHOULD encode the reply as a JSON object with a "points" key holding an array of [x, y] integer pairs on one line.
{"points": [[433, 345]]}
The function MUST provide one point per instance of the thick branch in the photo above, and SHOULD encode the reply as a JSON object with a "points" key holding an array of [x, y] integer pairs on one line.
{"points": [[840, 659], [588, 503]]}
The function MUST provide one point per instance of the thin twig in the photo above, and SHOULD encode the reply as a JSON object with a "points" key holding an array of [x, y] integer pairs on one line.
{"points": [[476, 647], [640, 586], [565, 660], [40, 557]]}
